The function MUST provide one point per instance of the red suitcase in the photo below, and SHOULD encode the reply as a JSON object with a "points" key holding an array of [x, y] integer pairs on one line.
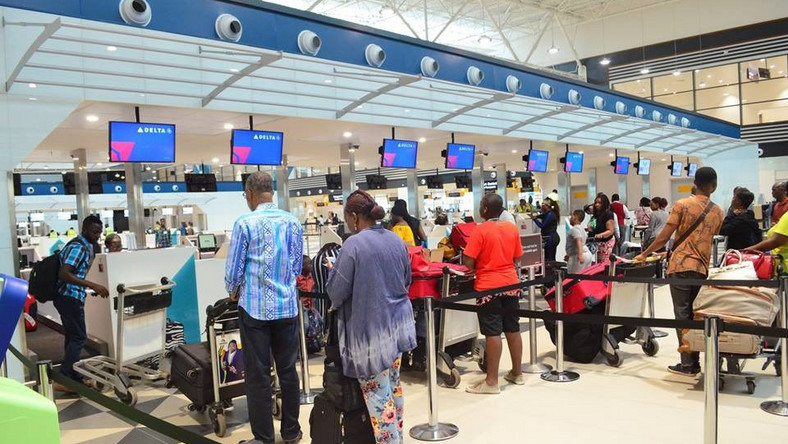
{"points": [[579, 296], [460, 234], [427, 276]]}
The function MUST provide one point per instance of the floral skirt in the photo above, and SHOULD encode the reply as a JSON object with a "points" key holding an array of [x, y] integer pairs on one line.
{"points": [[383, 396]]}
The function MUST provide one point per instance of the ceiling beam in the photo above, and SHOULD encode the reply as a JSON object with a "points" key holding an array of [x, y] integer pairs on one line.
{"points": [[46, 33], [562, 109], [690, 141], [399, 14], [663, 137], [249, 69], [629, 133], [402, 81], [466, 108], [538, 39], [314, 5], [590, 125], [571, 45], [451, 20], [498, 29]]}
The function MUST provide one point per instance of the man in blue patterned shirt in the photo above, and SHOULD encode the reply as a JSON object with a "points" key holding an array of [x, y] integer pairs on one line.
{"points": [[75, 260], [262, 265]]}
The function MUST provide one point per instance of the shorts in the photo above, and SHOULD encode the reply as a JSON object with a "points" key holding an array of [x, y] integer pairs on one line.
{"points": [[494, 323]]}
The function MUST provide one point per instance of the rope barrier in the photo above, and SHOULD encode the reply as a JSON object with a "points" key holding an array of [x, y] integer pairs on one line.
{"points": [[669, 281], [518, 286]]}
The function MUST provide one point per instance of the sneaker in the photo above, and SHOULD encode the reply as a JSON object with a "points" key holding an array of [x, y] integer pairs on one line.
{"points": [[294, 440], [481, 388], [518, 380], [683, 370]]}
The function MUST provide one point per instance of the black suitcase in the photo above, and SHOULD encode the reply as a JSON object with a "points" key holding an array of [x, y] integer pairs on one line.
{"points": [[329, 425], [191, 374]]}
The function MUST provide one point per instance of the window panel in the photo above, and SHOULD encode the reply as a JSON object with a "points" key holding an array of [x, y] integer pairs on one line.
{"points": [[777, 66], [716, 76], [681, 100], [731, 113], [640, 88], [768, 112], [673, 83], [765, 90], [717, 97]]}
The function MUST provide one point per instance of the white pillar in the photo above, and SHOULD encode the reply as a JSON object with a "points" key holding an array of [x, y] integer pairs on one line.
{"points": [[82, 191], [134, 202], [477, 181], [282, 190], [414, 198]]}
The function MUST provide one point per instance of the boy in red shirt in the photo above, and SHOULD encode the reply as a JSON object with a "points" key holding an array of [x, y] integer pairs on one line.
{"points": [[305, 282], [491, 254]]}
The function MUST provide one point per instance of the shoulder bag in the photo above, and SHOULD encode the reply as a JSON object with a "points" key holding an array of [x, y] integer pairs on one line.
{"points": [[692, 228]]}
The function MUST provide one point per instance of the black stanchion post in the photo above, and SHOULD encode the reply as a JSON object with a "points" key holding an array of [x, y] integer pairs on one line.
{"points": [[44, 377], [711, 379], [780, 407], [307, 394], [533, 366], [559, 374], [432, 430]]}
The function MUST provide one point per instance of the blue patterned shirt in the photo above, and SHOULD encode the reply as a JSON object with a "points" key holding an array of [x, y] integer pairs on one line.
{"points": [[79, 254], [264, 259]]}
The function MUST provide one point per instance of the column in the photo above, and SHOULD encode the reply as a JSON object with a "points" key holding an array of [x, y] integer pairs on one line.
{"points": [[282, 190], [81, 184], [646, 186], [347, 168], [502, 176], [622, 187], [477, 181], [591, 185], [134, 202], [564, 193], [414, 198]]}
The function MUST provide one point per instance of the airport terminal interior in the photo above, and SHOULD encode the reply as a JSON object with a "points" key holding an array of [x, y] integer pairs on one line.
{"points": [[152, 115]]}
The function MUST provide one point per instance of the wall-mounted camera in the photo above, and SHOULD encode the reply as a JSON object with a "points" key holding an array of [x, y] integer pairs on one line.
{"points": [[513, 84], [599, 102], [309, 43], [228, 27], [546, 91], [375, 55], [621, 107], [429, 66], [135, 12], [475, 76]]}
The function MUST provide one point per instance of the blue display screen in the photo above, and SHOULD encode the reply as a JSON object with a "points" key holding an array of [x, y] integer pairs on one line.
{"points": [[693, 168], [574, 163], [622, 165], [459, 156], [677, 167], [256, 147], [399, 153], [537, 161], [644, 167], [141, 142]]}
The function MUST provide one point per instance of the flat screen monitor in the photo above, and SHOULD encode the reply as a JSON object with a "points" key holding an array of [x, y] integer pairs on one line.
{"points": [[206, 242], [574, 163], [399, 153], [375, 182], [463, 182], [197, 183], [644, 167], [692, 168], [460, 156], [334, 181], [537, 161], [141, 142], [256, 147], [622, 165], [676, 168], [434, 182]]}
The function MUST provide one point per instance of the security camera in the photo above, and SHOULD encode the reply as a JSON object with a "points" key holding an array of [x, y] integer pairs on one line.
{"points": [[574, 97], [621, 107], [640, 112], [656, 116], [546, 91], [30, 190], [599, 102], [53, 190], [685, 122], [135, 12], [118, 188], [157, 188], [513, 84], [429, 66], [175, 188], [375, 55], [672, 119], [228, 27], [475, 75], [309, 43]]}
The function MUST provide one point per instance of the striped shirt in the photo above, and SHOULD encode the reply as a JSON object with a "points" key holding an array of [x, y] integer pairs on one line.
{"points": [[263, 262], [78, 254]]}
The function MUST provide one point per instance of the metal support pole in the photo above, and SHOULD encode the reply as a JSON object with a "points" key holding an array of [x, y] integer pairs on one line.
{"points": [[533, 365], [559, 374], [780, 407], [307, 394], [711, 379], [651, 311], [432, 430], [45, 379]]}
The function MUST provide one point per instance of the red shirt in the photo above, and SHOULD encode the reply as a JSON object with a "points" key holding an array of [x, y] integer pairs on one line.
{"points": [[618, 208], [495, 245], [780, 208]]}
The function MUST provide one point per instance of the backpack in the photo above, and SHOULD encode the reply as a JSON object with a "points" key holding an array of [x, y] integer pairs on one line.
{"points": [[313, 324], [44, 277]]}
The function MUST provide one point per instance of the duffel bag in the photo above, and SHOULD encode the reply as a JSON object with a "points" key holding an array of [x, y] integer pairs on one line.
{"points": [[738, 304]]}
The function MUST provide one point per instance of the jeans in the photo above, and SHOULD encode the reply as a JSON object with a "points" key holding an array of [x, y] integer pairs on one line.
{"points": [[260, 340], [72, 317], [683, 296]]}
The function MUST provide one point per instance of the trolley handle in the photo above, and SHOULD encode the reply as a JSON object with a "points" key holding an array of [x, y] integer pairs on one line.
{"points": [[166, 284], [450, 271]]}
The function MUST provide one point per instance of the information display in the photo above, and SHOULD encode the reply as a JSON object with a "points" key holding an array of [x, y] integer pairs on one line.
{"points": [[399, 153], [622, 165], [574, 163], [460, 156], [256, 147], [644, 167], [676, 169], [537, 161], [141, 142], [692, 168]]}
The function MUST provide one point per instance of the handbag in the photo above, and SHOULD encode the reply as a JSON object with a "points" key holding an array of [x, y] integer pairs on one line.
{"points": [[742, 271], [763, 263]]}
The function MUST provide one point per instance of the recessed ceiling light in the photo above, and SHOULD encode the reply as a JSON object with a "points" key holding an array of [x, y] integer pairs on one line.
{"points": [[91, 118], [708, 76], [645, 71], [116, 174], [662, 160], [38, 179], [638, 80], [46, 167], [665, 90], [702, 84], [356, 163], [406, 110], [229, 126], [763, 60], [553, 50], [328, 81], [422, 139], [347, 134], [455, 109], [215, 160], [697, 70], [514, 151], [33, 99], [112, 48], [221, 166], [611, 155], [489, 115], [677, 73], [581, 152], [106, 169], [32, 85], [142, 95], [725, 94], [605, 61], [771, 66], [234, 70], [360, 106]]}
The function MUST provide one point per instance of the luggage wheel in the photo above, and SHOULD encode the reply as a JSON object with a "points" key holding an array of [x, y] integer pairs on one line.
{"points": [[129, 396], [650, 347], [750, 386], [218, 421], [196, 408], [453, 379]]}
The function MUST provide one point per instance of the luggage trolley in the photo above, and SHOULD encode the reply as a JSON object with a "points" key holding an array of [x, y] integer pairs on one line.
{"points": [[143, 312], [630, 300], [456, 327]]}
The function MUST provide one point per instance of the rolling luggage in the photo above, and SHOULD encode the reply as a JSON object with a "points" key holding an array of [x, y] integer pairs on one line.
{"points": [[582, 295], [329, 425], [191, 372], [427, 276], [461, 233]]}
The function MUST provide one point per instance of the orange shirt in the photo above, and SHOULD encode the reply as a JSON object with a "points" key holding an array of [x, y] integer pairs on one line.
{"points": [[495, 245], [695, 252]]}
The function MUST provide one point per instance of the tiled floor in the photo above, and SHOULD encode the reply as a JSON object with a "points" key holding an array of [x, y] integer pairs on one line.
{"points": [[638, 402]]}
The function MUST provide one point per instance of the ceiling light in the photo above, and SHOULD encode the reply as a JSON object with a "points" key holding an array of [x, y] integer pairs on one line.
{"points": [[719, 81], [328, 81], [147, 168], [32, 85], [553, 50], [38, 179], [91, 118], [215, 160], [234, 70], [514, 151], [347, 134], [33, 99], [112, 48], [422, 139], [116, 174], [46, 167], [484, 40], [605, 61], [662, 160], [580, 152], [406, 110], [725, 94], [645, 71], [771, 66], [665, 90], [123, 177], [697, 70], [677, 73], [611, 155], [221, 166], [708, 76], [106, 169], [763, 60], [229, 126], [702, 84], [355, 163], [779, 72], [638, 80]]}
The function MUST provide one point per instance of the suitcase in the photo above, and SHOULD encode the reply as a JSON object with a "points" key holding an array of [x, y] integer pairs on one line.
{"points": [[733, 343], [329, 425], [427, 276], [582, 295], [461, 233], [191, 374]]}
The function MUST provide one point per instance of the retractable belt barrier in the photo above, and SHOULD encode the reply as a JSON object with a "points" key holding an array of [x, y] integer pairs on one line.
{"points": [[307, 295], [163, 427]]}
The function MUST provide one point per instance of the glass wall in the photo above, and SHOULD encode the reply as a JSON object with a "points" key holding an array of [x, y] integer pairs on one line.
{"points": [[745, 93]]}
